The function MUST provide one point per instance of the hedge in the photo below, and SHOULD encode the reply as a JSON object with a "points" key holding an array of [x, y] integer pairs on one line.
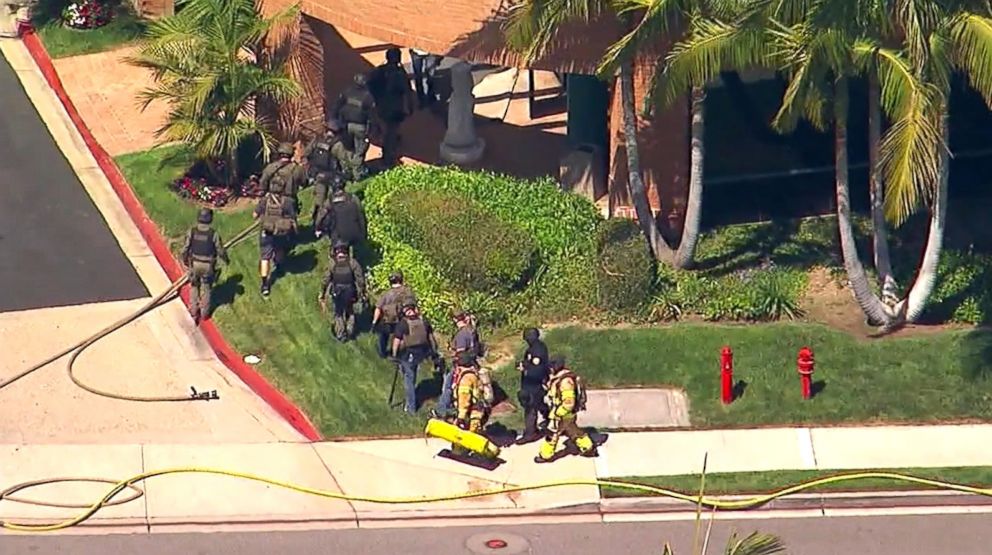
{"points": [[560, 225]]}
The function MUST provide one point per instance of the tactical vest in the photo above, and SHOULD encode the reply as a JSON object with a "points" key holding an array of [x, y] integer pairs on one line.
{"points": [[321, 157], [341, 274], [356, 107], [201, 245], [395, 299], [554, 391], [417, 334], [397, 82], [281, 181], [274, 220]]}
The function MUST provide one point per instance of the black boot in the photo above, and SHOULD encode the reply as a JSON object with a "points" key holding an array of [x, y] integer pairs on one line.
{"points": [[266, 286]]}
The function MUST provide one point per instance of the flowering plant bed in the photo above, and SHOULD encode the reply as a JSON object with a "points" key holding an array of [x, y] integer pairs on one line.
{"points": [[87, 14], [197, 185]]}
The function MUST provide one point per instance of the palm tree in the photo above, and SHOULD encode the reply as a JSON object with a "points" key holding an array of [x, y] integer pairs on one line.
{"points": [[533, 26], [819, 46], [208, 66]]}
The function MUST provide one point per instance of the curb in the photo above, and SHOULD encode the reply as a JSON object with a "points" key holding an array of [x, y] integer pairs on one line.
{"points": [[160, 249]]}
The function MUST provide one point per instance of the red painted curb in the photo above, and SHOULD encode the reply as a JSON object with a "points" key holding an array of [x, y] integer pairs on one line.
{"points": [[160, 249]]}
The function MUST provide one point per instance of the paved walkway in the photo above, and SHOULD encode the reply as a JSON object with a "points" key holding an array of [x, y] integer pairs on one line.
{"points": [[411, 468], [104, 89], [160, 354]]}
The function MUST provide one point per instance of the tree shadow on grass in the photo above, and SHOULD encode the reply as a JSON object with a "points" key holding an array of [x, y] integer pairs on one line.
{"points": [[976, 354]]}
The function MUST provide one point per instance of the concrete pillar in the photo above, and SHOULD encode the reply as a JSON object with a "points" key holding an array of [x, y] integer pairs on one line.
{"points": [[461, 145]]}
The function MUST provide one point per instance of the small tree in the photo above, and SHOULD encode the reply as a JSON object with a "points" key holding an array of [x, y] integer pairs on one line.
{"points": [[207, 65]]}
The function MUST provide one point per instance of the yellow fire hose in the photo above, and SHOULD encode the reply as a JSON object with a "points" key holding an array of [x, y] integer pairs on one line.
{"points": [[78, 348], [704, 501], [109, 500]]}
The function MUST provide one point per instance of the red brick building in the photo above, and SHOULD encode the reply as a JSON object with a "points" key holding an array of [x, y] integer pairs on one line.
{"points": [[337, 38]]}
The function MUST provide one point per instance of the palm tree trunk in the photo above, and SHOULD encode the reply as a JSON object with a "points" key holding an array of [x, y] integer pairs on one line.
{"points": [[927, 275], [880, 236], [694, 203], [873, 308], [638, 192]]}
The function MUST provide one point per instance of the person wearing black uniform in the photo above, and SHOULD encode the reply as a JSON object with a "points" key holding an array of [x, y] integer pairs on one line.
{"points": [[345, 283], [533, 377], [341, 216]]}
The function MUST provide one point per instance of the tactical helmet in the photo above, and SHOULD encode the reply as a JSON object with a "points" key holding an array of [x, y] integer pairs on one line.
{"points": [[556, 363], [333, 124], [393, 55], [465, 358], [340, 247], [396, 277], [285, 149], [205, 216], [337, 182], [360, 79], [409, 305], [460, 315], [531, 335]]}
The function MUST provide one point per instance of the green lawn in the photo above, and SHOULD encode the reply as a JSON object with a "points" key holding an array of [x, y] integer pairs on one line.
{"points": [[926, 379], [62, 42], [765, 482], [344, 388]]}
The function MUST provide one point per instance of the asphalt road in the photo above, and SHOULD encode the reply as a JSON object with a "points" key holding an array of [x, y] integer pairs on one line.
{"points": [[55, 248], [886, 535]]}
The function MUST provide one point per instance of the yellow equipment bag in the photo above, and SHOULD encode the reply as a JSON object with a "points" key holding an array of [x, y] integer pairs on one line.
{"points": [[464, 438]]}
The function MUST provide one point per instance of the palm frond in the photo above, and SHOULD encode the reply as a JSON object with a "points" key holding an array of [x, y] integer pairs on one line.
{"points": [[971, 37], [910, 162], [712, 46], [754, 544], [532, 25], [654, 22]]}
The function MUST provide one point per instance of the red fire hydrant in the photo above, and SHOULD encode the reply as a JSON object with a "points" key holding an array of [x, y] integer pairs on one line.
{"points": [[805, 365], [727, 375]]}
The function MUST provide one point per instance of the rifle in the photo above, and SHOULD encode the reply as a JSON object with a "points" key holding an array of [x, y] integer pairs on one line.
{"points": [[392, 390]]}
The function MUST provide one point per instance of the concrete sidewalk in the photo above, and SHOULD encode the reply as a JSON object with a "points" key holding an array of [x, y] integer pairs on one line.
{"points": [[411, 469], [160, 354]]}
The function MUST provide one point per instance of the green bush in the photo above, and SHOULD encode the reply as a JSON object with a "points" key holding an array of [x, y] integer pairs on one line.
{"points": [[963, 292], [757, 294], [624, 268], [474, 250], [562, 227]]}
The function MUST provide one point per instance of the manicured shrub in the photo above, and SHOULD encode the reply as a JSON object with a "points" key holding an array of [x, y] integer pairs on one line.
{"points": [[624, 268], [561, 227], [963, 293], [474, 250]]}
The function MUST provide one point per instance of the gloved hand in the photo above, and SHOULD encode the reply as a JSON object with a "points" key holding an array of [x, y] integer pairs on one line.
{"points": [[461, 423], [561, 412]]}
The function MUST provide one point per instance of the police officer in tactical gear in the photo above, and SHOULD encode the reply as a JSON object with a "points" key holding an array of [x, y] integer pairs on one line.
{"points": [[345, 282], [353, 109], [329, 154], [278, 214], [533, 377], [389, 310], [283, 176], [200, 253], [413, 342], [394, 98], [342, 217]]}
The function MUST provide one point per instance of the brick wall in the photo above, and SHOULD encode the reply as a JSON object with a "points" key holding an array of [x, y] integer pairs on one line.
{"points": [[154, 8]]}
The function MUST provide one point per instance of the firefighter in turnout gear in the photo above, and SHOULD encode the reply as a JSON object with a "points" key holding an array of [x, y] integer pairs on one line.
{"points": [[345, 283], [200, 253], [278, 214], [472, 406], [566, 398], [284, 176], [341, 216], [354, 109]]}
